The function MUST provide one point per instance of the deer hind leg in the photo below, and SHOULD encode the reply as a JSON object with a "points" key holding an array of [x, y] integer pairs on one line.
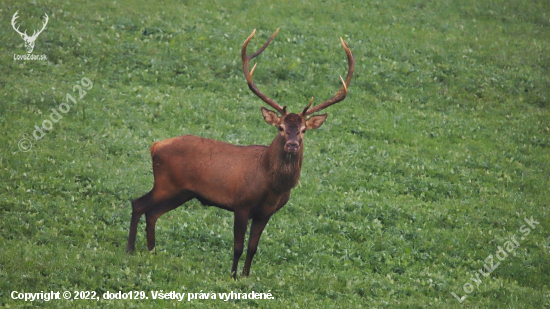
{"points": [[152, 215], [139, 207], [142, 205]]}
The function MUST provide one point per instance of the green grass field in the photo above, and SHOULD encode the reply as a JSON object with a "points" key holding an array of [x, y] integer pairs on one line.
{"points": [[432, 162]]}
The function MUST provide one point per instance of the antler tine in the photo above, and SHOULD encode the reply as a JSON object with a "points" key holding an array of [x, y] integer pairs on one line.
{"points": [[307, 107], [341, 94], [248, 74], [43, 27], [13, 24]]}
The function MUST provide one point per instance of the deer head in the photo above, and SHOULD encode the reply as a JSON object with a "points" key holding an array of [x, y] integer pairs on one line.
{"points": [[29, 40], [293, 126]]}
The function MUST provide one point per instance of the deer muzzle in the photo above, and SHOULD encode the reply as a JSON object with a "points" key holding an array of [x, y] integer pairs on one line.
{"points": [[292, 146]]}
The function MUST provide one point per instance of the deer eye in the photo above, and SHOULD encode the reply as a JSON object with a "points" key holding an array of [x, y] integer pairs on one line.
{"points": [[303, 131], [281, 129]]}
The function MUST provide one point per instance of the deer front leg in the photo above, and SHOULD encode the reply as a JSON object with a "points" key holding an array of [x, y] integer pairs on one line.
{"points": [[256, 230], [239, 229]]}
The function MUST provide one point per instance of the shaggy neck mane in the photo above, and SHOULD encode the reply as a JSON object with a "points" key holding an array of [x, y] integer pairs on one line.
{"points": [[283, 168]]}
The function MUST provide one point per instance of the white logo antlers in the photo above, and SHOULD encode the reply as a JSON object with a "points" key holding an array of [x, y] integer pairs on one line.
{"points": [[29, 40]]}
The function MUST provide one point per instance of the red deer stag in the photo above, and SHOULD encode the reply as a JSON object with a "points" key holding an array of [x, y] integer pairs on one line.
{"points": [[251, 181]]}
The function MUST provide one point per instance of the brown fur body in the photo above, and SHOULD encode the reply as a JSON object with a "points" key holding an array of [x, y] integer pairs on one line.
{"points": [[224, 175]]}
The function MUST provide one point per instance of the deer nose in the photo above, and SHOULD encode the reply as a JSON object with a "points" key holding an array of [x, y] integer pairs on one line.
{"points": [[292, 146]]}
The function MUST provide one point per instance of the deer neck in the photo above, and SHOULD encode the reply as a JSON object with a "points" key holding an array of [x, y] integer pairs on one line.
{"points": [[283, 169]]}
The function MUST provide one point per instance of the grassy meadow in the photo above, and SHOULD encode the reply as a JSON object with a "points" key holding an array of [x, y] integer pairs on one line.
{"points": [[434, 160]]}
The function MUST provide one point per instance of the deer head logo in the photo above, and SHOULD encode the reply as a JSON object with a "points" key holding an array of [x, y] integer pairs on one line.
{"points": [[29, 40]]}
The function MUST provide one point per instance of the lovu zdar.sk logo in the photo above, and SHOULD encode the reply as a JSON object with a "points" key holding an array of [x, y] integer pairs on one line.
{"points": [[29, 40]]}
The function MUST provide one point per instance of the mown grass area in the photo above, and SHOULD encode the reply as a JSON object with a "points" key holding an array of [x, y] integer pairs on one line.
{"points": [[433, 161]]}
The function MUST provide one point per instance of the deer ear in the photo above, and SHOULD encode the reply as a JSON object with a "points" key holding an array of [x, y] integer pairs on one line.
{"points": [[270, 116], [315, 122]]}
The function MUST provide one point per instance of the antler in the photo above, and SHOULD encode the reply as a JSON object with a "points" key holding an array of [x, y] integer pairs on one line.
{"points": [[43, 27], [17, 29], [341, 94], [34, 34], [248, 74]]}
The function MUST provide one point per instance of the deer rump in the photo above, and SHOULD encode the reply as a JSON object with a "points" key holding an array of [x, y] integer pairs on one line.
{"points": [[252, 181]]}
